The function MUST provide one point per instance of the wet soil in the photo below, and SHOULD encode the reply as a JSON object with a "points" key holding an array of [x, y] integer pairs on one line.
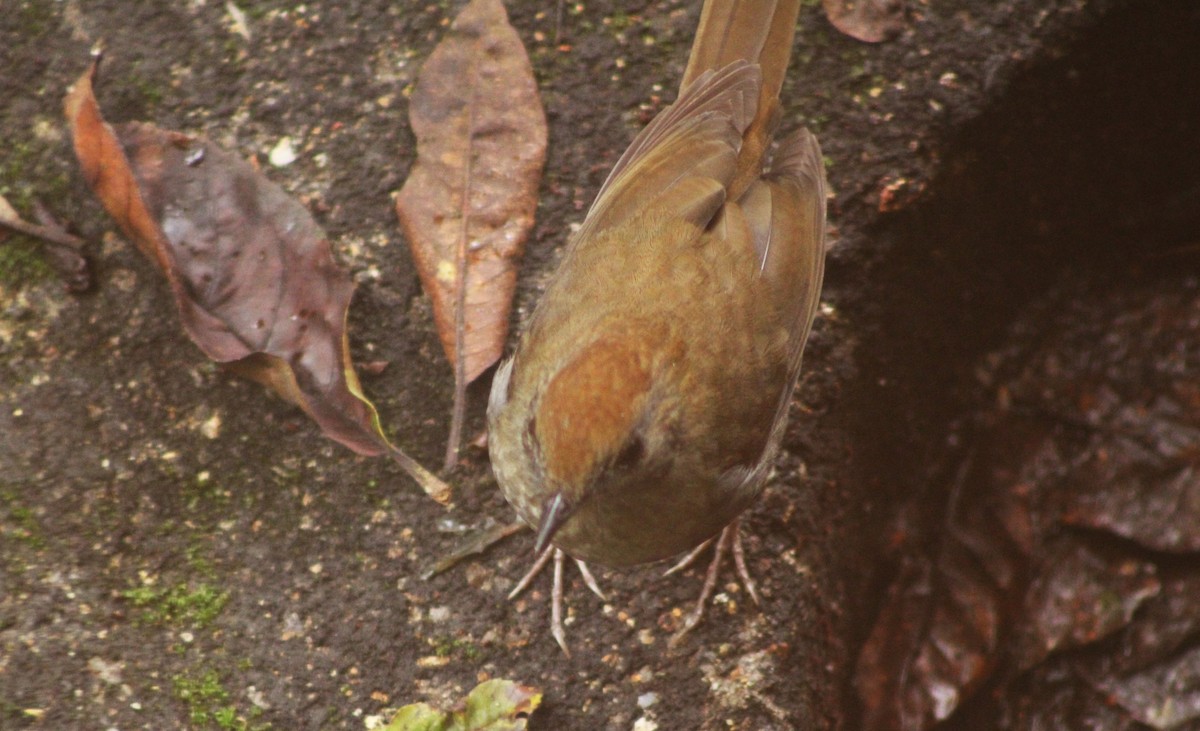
{"points": [[179, 549]]}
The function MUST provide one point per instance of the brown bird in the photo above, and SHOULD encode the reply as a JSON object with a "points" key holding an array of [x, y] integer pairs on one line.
{"points": [[646, 400]]}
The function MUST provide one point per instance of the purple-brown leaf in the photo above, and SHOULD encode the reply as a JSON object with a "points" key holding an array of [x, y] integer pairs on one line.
{"points": [[1112, 491], [1078, 597], [1166, 696], [252, 274], [933, 644]]}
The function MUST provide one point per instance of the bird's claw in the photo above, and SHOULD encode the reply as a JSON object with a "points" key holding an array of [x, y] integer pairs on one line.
{"points": [[730, 538], [557, 629]]}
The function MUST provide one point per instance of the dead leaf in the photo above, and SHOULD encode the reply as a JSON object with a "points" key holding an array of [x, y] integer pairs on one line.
{"points": [[933, 644], [870, 21], [948, 614], [1057, 700], [1143, 494], [252, 274], [1097, 432], [1166, 696], [1149, 673], [469, 201], [1076, 598], [1165, 624]]}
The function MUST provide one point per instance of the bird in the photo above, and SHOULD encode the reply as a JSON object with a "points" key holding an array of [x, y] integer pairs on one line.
{"points": [[644, 404]]}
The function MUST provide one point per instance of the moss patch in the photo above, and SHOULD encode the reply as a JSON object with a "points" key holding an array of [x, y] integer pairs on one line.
{"points": [[17, 521], [22, 262], [179, 604], [210, 704]]}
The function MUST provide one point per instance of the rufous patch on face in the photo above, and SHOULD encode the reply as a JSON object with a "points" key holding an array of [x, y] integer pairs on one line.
{"points": [[591, 406]]}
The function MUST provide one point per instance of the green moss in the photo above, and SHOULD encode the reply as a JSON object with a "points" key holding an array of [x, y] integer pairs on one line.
{"points": [[17, 521], [28, 170], [204, 490], [13, 712], [150, 92], [13, 185], [26, 173], [179, 604], [232, 51], [209, 703], [814, 122], [256, 10], [619, 21], [199, 562], [36, 17], [201, 690], [448, 646]]}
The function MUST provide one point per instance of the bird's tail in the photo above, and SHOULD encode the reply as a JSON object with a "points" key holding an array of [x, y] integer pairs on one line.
{"points": [[757, 31]]}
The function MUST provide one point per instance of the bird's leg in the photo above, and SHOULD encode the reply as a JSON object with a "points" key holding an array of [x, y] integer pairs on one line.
{"points": [[689, 559], [557, 629], [534, 570], [590, 580], [739, 562], [731, 537]]}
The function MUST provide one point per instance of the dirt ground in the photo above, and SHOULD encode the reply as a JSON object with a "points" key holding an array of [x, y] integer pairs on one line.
{"points": [[179, 549]]}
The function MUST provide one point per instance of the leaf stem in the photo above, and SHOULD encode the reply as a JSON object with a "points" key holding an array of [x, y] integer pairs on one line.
{"points": [[458, 413], [429, 482]]}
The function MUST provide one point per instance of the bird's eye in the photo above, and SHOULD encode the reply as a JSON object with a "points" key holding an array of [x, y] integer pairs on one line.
{"points": [[631, 454]]}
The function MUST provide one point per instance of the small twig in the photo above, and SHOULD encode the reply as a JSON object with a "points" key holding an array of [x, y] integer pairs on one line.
{"points": [[64, 249], [473, 546], [458, 413], [50, 234]]}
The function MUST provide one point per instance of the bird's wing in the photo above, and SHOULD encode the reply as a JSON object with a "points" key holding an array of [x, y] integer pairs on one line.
{"points": [[785, 212], [697, 136]]}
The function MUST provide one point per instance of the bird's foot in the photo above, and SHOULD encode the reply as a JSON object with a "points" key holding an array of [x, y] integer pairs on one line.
{"points": [[557, 630], [729, 540]]}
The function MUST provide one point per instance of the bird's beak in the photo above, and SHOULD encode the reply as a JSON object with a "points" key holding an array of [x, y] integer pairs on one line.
{"points": [[555, 512]]}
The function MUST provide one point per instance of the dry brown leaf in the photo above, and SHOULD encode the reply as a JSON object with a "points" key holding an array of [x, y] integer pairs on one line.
{"points": [[469, 201], [870, 21], [252, 274]]}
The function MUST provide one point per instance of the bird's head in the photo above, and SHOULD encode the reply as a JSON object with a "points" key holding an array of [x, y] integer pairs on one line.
{"points": [[586, 452]]}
